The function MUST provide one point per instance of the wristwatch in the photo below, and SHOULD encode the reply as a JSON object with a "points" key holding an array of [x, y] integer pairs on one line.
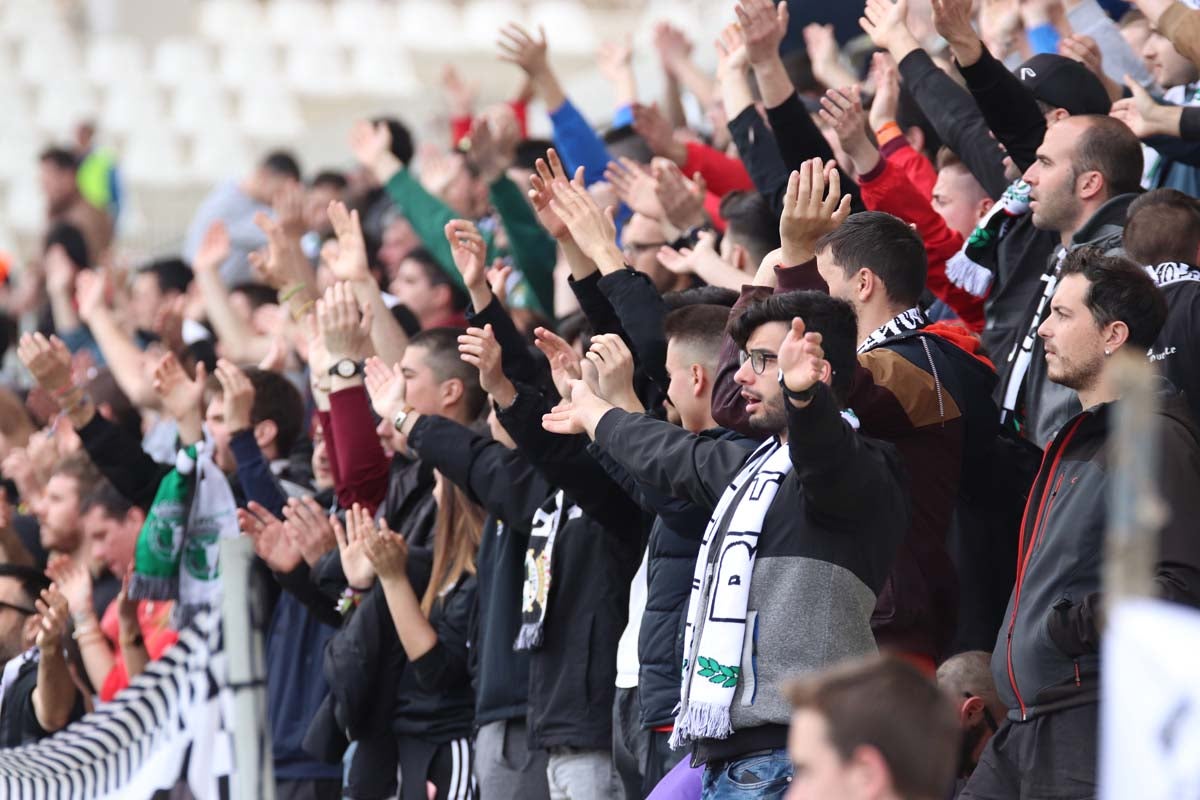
{"points": [[346, 368], [400, 418], [800, 397]]}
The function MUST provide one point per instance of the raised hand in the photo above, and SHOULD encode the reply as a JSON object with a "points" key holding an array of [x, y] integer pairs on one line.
{"points": [[214, 249], [128, 625], [494, 139], [60, 271], [842, 110], [1000, 24], [307, 528], [682, 200], [656, 129], [886, 23], [460, 93], [74, 582], [579, 412], [764, 24], [547, 171], [809, 211], [497, 278], [801, 359], [636, 187], [91, 290], [469, 252], [1086, 51], [821, 44], [351, 262], [351, 540], [592, 229], [887, 90], [672, 44], [48, 360], [181, 396], [52, 609], [1144, 115], [388, 554], [238, 395], [952, 19], [385, 387], [564, 361], [345, 328], [479, 348], [732, 57], [614, 368], [270, 543], [615, 60], [518, 46], [371, 143]]}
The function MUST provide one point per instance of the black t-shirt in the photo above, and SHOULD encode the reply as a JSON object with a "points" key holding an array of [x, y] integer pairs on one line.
{"points": [[18, 720]]}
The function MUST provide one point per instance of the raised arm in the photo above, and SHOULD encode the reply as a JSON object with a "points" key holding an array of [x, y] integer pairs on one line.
{"points": [[55, 694]]}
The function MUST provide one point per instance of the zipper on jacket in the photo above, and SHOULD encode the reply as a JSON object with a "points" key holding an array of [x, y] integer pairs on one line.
{"points": [[1078, 683], [1023, 558]]}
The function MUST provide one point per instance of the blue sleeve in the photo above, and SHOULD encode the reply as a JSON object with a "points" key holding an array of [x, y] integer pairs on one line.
{"points": [[254, 473], [578, 143], [623, 117], [81, 338], [1043, 39]]}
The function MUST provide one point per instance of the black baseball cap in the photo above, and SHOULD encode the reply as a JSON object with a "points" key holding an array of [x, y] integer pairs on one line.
{"points": [[1064, 83]]}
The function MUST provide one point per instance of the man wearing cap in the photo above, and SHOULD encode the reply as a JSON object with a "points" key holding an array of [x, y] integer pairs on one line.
{"points": [[1078, 181]]}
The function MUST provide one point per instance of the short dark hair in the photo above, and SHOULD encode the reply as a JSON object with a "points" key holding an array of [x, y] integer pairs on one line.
{"points": [[277, 399], [756, 225], [1161, 226], [106, 498], [1110, 148], [258, 294], [71, 239], [172, 274], [105, 391], [282, 163], [887, 246], [880, 701], [947, 158], [697, 295], [32, 579], [1119, 290], [331, 178], [438, 277], [402, 141], [60, 157], [529, 151], [442, 357], [700, 327], [833, 319]]}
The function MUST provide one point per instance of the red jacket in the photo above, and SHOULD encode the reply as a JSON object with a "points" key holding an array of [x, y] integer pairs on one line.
{"points": [[889, 188]]}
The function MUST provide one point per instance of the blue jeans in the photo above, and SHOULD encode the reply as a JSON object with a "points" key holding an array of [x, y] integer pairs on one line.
{"points": [[764, 775]]}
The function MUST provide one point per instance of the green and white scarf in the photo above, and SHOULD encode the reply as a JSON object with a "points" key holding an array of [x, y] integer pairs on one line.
{"points": [[177, 550], [716, 618], [969, 269]]}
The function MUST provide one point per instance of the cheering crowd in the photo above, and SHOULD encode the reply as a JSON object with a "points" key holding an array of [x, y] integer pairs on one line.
{"points": [[755, 456]]}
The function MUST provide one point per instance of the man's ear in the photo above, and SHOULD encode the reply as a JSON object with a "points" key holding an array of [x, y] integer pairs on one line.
{"points": [[916, 138], [30, 629], [699, 380], [1089, 184], [1116, 333], [265, 435], [451, 391], [981, 210], [970, 713], [740, 257], [827, 373], [869, 772]]}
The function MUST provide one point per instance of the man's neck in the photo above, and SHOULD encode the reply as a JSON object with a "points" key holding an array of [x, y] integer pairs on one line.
{"points": [[1085, 216], [1099, 392], [870, 319]]}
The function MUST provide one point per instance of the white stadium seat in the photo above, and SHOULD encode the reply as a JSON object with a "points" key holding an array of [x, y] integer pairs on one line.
{"points": [[194, 105], [356, 22], [61, 106], [567, 25], [297, 21], [220, 153], [319, 70], [179, 59], [222, 20], [243, 64], [153, 156], [130, 106], [269, 115], [382, 70], [114, 59], [429, 26]]}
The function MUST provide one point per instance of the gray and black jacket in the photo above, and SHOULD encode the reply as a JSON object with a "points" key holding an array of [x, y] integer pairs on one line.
{"points": [[827, 544], [1047, 654]]}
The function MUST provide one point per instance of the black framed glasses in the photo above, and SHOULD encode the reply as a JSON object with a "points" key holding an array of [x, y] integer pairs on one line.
{"points": [[20, 609], [758, 359]]}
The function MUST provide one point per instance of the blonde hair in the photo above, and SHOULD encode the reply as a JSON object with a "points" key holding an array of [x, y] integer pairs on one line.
{"points": [[455, 541]]}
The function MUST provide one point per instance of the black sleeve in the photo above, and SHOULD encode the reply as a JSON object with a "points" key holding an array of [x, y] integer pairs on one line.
{"points": [[799, 139], [564, 462], [836, 466], [518, 363], [1189, 123], [1010, 110], [299, 583], [641, 311], [1176, 149], [445, 666], [596, 307], [501, 480], [119, 456], [957, 119], [760, 153]]}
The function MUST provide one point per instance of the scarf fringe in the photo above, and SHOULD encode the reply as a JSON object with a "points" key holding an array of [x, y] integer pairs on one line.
{"points": [[151, 587], [968, 275], [701, 721], [530, 636], [183, 614]]}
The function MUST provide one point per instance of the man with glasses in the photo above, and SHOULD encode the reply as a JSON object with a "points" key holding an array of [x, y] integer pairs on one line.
{"points": [[641, 239], [810, 521], [37, 695]]}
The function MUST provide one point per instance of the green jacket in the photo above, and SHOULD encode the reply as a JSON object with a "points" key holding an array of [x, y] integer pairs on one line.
{"points": [[533, 250]]}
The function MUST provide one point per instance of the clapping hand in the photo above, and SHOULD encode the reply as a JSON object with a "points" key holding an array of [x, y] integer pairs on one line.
{"points": [[351, 539], [802, 363], [809, 211]]}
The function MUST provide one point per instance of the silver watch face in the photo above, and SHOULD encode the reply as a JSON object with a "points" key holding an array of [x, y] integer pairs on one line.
{"points": [[347, 368], [398, 422]]}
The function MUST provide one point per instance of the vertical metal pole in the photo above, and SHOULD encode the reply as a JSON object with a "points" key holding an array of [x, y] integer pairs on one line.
{"points": [[242, 620], [1135, 510]]}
